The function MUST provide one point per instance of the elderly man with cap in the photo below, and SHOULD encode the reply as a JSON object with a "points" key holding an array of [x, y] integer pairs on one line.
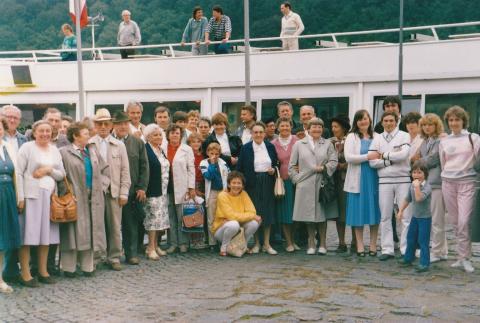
{"points": [[112, 151], [132, 213]]}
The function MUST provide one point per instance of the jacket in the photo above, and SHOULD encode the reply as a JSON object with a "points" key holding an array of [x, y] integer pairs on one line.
{"points": [[155, 183], [183, 170], [138, 162], [235, 146], [224, 170]]}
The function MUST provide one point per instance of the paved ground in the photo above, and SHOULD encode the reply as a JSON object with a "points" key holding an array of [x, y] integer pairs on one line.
{"points": [[203, 287]]}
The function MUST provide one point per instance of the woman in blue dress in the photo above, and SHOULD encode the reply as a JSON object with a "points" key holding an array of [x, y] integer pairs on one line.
{"points": [[9, 226], [361, 182]]}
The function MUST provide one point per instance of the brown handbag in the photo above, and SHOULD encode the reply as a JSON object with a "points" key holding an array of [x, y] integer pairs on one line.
{"points": [[63, 209], [193, 220]]}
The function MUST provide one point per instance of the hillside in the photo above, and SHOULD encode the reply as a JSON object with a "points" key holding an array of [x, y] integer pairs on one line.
{"points": [[27, 24]]}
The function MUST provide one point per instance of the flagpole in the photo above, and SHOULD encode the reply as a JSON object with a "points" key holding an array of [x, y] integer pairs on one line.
{"points": [[81, 90]]}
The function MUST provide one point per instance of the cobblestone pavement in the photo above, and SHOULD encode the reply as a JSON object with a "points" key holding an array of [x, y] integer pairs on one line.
{"points": [[202, 287]]}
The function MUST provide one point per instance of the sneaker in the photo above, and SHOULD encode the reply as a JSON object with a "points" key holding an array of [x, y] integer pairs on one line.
{"points": [[467, 266], [457, 264], [417, 253], [434, 258], [322, 251]]}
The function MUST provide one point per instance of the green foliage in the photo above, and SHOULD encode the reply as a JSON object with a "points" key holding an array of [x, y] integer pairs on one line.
{"points": [[35, 24]]}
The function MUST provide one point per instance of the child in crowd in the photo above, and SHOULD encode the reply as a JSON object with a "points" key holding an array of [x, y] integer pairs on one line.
{"points": [[419, 195], [215, 171], [194, 140]]}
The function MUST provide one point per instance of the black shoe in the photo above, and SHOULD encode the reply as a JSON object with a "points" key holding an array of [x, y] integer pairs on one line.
{"points": [[361, 254], [372, 253], [404, 263], [69, 274], [385, 257], [54, 271], [29, 283], [88, 273], [342, 249], [421, 269], [46, 280]]}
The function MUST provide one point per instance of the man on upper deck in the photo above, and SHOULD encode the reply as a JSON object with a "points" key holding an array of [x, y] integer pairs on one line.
{"points": [[219, 28], [128, 34], [292, 25]]}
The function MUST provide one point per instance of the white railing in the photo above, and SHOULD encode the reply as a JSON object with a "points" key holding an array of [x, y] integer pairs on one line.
{"points": [[168, 49]]}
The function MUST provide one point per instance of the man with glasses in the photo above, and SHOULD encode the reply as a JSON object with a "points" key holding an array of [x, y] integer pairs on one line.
{"points": [[113, 151]]}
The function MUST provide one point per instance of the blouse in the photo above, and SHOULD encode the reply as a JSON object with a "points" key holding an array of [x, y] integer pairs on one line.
{"points": [[262, 161]]}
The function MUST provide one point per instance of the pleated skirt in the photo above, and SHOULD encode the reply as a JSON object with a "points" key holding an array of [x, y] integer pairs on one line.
{"points": [[9, 226], [285, 204], [263, 198]]}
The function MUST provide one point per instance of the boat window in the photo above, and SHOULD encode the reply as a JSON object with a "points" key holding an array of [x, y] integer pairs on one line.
{"points": [[439, 103], [410, 103], [34, 112], [325, 108], [232, 109], [149, 108]]}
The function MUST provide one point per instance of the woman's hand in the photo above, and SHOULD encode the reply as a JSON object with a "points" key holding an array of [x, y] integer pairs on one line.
{"points": [[42, 171], [141, 196], [20, 206], [258, 218], [192, 193], [271, 171], [233, 160], [373, 155]]}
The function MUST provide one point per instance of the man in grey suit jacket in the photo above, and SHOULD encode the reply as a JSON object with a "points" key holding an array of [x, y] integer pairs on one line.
{"points": [[132, 213], [113, 151]]}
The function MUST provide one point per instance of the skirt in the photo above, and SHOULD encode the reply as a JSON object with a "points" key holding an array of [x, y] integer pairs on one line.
{"points": [[9, 227], [285, 204], [36, 227], [263, 198], [156, 214]]}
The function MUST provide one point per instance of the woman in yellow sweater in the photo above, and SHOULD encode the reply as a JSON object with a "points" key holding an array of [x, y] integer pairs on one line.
{"points": [[234, 210]]}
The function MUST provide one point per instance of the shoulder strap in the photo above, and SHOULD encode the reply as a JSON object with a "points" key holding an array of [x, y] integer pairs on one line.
{"points": [[471, 140]]}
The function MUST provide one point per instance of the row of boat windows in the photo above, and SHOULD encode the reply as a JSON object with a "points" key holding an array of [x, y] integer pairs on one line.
{"points": [[325, 108]]}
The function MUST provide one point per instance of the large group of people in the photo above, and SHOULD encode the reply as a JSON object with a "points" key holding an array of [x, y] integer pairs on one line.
{"points": [[199, 31], [132, 180]]}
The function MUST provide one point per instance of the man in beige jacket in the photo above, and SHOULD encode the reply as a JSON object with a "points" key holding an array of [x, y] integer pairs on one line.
{"points": [[114, 153], [292, 25]]}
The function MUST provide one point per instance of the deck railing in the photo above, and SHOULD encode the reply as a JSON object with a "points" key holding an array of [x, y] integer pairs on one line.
{"points": [[168, 50]]}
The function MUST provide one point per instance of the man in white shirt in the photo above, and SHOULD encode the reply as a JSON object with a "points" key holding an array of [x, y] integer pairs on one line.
{"points": [[292, 25], [128, 34], [134, 111], [393, 166], [13, 115]]}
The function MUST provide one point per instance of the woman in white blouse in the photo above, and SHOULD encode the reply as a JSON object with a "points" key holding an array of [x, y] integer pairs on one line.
{"points": [[39, 168]]}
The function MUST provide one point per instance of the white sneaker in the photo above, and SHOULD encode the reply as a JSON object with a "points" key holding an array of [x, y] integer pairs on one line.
{"points": [[457, 264], [434, 259], [467, 266], [322, 251], [310, 251]]}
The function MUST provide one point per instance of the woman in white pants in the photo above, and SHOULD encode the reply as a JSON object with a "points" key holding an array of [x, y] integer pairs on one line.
{"points": [[234, 210]]}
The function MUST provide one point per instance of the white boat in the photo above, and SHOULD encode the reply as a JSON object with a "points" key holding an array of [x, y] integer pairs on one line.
{"points": [[334, 77]]}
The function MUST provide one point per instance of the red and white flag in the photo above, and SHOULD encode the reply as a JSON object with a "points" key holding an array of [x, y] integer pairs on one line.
{"points": [[83, 10]]}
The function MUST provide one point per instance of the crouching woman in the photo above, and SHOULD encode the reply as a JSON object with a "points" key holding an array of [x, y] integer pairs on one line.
{"points": [[234, 210]]}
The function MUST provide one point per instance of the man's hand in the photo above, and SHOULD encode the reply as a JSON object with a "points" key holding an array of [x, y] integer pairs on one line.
{"points": [[141, 196], [122, 201], [224, 40]]}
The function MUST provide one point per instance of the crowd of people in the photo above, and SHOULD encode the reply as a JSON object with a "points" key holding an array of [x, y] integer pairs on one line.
{"points": [[199, 31], [132, 180]]}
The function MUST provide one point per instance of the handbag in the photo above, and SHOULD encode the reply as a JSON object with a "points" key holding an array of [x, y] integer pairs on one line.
{"points": [[63, 209], [279, 188], [238, 245], [327, 192], [193, 217]]}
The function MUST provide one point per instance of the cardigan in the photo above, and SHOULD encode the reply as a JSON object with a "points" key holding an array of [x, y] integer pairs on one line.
{"points": [[354, 159], [246, 162], [155, 183], [238, 208], [430, 156]]}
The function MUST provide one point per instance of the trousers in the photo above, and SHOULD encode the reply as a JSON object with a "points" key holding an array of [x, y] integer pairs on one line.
{"points": [[113, 227], [229, 229], [70, 259], [175, 214], [439, 236], [419, 235]]}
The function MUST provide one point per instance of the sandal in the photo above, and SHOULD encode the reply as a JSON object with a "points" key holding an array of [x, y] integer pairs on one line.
{"points": [[151, 255], [361, 254], [5, 289], [372, 253]]}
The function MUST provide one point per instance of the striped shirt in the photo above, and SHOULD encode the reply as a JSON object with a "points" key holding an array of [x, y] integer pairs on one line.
{"points": [[218, 29]]}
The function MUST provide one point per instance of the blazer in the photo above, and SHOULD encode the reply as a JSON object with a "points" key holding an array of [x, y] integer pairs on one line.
{"points": [[354, 159], [234, 142], [183, 170], [138, 162], [28, 162], [246, 162], [117, 159], [155, 183]]}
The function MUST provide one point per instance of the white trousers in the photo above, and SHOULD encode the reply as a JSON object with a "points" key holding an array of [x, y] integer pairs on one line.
{"points": [[390, 194], [229, 229]]}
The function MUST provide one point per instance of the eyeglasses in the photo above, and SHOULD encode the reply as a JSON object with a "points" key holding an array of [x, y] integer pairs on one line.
{"points": [[12, 117], [102, 123]]}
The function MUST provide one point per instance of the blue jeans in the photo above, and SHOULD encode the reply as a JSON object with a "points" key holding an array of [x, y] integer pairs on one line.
{"points": [[419, 234]]}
